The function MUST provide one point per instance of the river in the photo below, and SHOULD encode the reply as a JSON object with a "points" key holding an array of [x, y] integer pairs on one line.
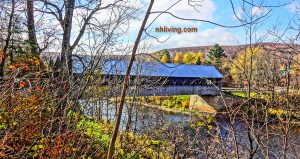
{"points": [[142, 120]]}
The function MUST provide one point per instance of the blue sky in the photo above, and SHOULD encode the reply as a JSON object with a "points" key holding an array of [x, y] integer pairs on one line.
{"points": [[219, 11]]}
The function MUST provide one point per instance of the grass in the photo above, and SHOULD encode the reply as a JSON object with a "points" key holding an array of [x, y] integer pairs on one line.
{"points": [[243, 94], [262, 96], [183, 97], [280, 113], [179, 102], [98, 130]]}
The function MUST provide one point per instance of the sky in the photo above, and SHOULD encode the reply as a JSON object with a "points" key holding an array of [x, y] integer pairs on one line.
{"points": [[218, 11]]}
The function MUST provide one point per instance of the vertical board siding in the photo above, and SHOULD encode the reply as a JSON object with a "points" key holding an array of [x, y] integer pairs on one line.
{"points": [[173, 90]]}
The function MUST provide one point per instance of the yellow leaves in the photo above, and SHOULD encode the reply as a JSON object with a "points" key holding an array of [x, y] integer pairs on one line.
{"points": [[185, 104], [34, 61], [199, 58], [121, 151], [217, 139], [164, 59], [37, 147], [178, 58], [296, 66], [130, 136], [189, 58], [246, 61], [155, 142]]}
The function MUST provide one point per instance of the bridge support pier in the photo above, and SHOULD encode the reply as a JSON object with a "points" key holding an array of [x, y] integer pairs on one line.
{"points": [[199, 104]]}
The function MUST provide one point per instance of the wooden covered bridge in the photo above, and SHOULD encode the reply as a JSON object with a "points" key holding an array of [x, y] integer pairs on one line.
{"points": [[157, 79]]}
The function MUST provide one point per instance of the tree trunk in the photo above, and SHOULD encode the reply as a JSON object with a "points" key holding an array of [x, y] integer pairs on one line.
{"points": [[66, 52], [34, 47], [125, 84], [7, 40]]}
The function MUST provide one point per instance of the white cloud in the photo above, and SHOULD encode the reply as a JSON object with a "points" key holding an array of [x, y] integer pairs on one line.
{"points": [[258, 11], [201, 10], [238, 14], [206, 37], [294, 6]]}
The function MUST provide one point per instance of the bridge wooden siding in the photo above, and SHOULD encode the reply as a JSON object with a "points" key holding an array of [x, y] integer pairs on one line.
{"points": [[171, 90], [156, 79]]}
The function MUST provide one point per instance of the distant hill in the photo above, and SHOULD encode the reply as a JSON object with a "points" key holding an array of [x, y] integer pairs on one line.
{"points": [[232, 50]]}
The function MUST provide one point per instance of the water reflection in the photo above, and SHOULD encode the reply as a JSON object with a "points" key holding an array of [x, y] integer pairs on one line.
{"points": [[134, 118]]}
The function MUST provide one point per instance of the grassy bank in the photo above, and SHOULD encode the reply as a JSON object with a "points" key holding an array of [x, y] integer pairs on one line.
{"points": [[176, 104]]}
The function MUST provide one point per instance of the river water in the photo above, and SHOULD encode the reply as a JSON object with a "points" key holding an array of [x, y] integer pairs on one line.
{"points": [[141, 120], [135, 118]]}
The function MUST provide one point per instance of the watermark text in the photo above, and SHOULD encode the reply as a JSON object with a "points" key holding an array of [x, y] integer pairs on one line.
{"points": [[166, 29]]}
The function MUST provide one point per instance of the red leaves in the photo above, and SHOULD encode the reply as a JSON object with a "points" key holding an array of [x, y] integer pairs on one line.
{"points": [[2, 154]]}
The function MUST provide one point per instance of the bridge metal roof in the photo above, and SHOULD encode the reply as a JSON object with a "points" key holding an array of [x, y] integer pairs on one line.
{"points": [[115, 67]]}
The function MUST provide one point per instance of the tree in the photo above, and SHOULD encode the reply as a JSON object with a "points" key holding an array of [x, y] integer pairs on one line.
{"points": [[164, 59], [199, 58], [178, 58], [63, 13], [189, 58], [214, 56], [125, 84], [242, 66], [31, 29], [160, 55], [296, 70], [8, 38]]}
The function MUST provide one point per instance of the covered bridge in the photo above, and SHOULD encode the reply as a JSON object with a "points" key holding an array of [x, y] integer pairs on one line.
{"points": [[157, 79]]}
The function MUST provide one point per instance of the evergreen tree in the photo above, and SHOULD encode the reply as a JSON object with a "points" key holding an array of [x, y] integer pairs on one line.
{"points": [[164, 54], [215, 55]]}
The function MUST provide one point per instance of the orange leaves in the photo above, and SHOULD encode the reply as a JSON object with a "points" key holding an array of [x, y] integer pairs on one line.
{"points": [[1, 55], [22, 65], [34, 99], [22, 84], [61, 144], [13, 68], [38, 88], [2, 154], [217, 139], [34, 61]]}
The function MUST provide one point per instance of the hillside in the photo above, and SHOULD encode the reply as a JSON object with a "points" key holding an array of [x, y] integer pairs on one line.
{"points": [[232, 50]]}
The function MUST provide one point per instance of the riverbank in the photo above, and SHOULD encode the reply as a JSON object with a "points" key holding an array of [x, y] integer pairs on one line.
{"points": [[164, 109]]}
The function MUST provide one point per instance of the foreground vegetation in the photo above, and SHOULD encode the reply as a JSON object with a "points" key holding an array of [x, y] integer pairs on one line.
{"points": [[51, 59]]}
